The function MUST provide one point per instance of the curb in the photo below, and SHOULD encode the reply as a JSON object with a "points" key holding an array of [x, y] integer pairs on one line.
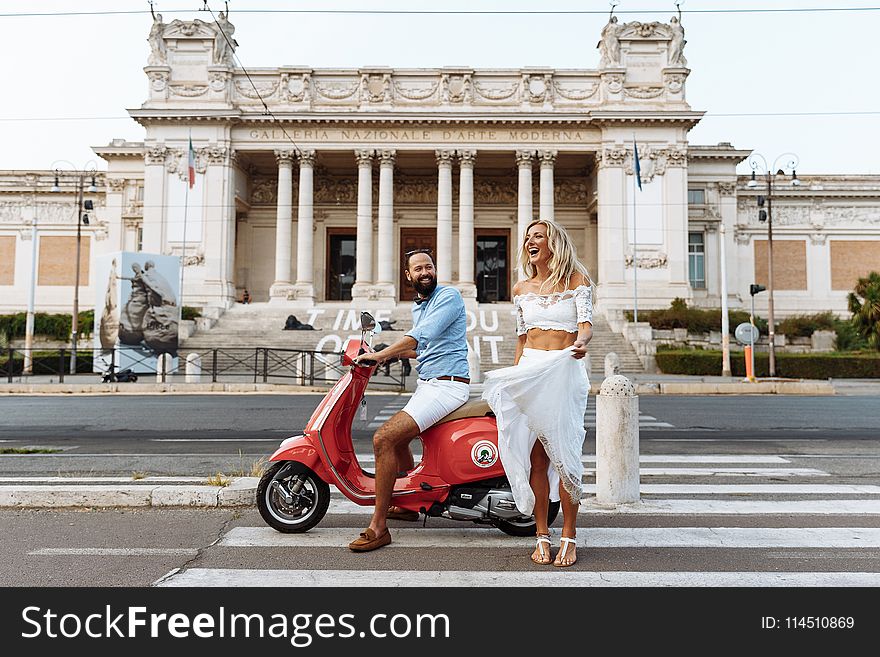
{"points": [[652, 388], [169, 388], [240, 492]]}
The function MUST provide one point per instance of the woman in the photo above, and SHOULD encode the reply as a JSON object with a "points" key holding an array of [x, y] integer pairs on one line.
{"points": [[540, 403]]}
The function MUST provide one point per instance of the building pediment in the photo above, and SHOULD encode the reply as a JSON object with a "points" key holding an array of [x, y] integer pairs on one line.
{"points": [[197, 29]]}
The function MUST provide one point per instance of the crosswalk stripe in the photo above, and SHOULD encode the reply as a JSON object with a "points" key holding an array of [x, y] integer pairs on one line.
{"points": [[592, 537], [726, 472], [704, 507], [220, 577], [743, 507], [667, 458]]}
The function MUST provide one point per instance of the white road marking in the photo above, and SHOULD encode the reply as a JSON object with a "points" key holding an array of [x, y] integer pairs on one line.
{"points": [[752, 489], [726, 472], [744, 507], [218, 577], [653, 507], [101, 480], [213, 440], [589, 537], [669, 458], [112, 552]]}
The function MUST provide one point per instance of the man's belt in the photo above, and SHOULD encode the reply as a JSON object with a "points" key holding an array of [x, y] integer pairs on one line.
{"points": [[460, 379]]}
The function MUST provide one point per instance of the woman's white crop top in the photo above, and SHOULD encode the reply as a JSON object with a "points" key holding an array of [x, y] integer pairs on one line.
{"points": [[558, 311]]}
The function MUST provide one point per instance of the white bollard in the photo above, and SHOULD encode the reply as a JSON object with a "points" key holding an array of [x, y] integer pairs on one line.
{"points": [[473, 365], [617, 442], [612, 364], [193, 368], [163, 368]]}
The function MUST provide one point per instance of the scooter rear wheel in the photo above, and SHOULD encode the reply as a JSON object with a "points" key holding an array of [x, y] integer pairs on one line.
{"points": [[526, 527], [309, 505]]}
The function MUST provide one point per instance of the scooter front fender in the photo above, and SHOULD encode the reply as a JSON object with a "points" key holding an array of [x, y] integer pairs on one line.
{"points": [[302, 450]]}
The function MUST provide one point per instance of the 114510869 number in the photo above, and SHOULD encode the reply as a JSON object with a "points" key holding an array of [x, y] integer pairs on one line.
{"points": [[819, 622]]}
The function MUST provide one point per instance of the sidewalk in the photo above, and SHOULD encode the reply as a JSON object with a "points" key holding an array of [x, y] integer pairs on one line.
{"points": [[646, 384], [92, 492]]}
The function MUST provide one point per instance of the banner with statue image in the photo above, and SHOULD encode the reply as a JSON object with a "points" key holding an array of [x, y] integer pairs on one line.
{"points": [[136, 310]]}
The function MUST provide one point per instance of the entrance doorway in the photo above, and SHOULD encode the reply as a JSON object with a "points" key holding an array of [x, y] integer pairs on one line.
{"points": [[492, 272], [340, 263], [410, 240]]}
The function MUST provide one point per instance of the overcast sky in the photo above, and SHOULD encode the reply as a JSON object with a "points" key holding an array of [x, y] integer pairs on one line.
{"points": [[67, 80]]}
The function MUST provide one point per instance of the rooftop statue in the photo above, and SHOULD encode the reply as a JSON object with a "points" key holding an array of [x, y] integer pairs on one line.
{"points": [[676, 46], [158, 55], [609, 44], [224, 44]]}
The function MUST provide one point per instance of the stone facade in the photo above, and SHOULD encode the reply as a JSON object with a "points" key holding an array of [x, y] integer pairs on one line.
{"points": [[317, 200]]}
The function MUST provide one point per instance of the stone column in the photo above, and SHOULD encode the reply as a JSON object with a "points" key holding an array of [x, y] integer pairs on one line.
{"points": [[676, 223], [154, 226], [364, 245], [615, 294], [282, 287], [219, 213], [304, 290], [443, 257], [548, 160], [524, 201], [385, 253], [466, 284]]}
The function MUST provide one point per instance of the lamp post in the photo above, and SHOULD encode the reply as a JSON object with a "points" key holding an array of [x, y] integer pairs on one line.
{"points": [[81, 218], [758, 163]]}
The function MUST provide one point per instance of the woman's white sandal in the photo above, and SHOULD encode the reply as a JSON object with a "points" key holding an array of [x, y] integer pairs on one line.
{"points": [[565, 542], [542, 538]]}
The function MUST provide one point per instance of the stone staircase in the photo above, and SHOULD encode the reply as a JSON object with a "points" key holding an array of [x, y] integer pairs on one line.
{"points": [[491, 334]]}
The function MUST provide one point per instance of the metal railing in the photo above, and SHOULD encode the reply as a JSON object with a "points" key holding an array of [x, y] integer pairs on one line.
{"points": [[204, 365]]}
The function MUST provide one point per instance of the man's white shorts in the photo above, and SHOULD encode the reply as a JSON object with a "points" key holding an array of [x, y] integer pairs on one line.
{"points": [[433, 400]]}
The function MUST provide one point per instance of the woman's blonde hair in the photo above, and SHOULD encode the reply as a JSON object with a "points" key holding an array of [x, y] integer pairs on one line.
{"points": [[563, 256]]}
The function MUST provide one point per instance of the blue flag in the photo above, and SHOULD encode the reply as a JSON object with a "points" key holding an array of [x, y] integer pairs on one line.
{"points": [[637, 165]]}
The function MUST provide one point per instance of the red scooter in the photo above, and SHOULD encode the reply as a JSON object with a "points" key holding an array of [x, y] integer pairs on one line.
{"points": [[459, 477]]}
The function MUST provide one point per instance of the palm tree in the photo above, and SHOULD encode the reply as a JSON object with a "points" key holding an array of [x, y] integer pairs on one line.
{"points": [[864, 304]]}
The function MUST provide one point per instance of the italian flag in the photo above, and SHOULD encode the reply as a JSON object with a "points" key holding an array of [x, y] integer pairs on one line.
{"points": [[191, 164]]}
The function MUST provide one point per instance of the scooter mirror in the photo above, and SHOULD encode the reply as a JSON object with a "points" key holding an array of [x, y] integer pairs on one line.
{"points": [[368, 322]]}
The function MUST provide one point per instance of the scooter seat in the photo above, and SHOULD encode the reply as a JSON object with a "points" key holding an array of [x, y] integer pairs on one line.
{"points": [[478, 408]]}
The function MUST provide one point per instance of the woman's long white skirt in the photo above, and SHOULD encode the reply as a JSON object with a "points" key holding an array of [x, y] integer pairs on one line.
{"points": [[543, 397]]}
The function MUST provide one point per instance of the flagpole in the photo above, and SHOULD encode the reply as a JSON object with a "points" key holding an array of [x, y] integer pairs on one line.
{"points": [[635, 240], [185, 209]]}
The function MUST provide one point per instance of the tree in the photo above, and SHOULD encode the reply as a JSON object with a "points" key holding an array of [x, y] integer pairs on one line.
{"points": [[864, 304]]}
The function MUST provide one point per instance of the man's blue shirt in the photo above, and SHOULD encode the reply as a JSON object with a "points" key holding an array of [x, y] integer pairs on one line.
{"points": [[439, 327]]}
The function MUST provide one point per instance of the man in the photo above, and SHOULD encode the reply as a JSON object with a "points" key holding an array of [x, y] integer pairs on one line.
{"points": [[437, 340]]}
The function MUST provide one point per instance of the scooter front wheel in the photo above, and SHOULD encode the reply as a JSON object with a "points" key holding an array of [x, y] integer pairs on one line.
{"points": [[292, 498], [526, 526]]}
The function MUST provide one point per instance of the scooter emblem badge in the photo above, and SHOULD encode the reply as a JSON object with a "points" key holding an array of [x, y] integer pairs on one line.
{"points": [[484, 454]]}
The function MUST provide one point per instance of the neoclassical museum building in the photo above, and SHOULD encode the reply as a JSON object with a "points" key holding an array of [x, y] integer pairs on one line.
{"points": [[311, 184]]}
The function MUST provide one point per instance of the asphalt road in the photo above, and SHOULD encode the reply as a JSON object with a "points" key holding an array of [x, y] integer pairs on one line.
{"points": [[202, 434]]}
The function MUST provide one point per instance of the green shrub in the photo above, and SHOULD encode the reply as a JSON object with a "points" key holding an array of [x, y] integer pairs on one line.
{"points": [[188, 312], [864, 304], [798, 366], [46, 362], [803, 326], [56, 326], [848, 337], [695, 320]]}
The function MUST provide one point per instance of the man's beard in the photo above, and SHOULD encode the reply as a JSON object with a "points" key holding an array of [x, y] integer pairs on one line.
{"points": [[425, 289]]}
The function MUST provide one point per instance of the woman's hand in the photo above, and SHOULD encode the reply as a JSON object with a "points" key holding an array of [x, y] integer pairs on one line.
{"points": [[579, 348]]}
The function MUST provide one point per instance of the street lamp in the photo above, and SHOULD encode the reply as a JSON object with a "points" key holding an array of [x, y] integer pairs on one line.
{"points": [[759, 164], [81, 218]]}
